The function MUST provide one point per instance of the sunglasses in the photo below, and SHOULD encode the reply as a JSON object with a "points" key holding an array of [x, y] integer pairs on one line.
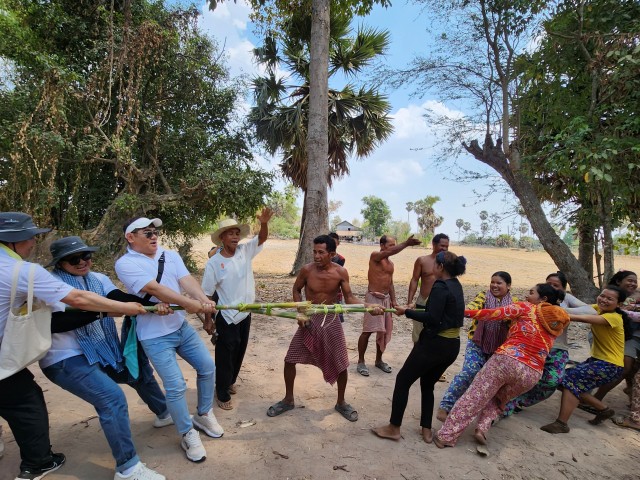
{"points": [[150, 233], [76, 259]]}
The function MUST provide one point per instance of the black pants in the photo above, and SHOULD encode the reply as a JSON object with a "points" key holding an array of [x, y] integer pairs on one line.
{"points": [[230, 349], [427, 361], [22, 406]]}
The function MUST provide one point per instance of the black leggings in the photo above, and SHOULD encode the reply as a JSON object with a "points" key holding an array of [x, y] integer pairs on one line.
{"points": [[427, 361]]}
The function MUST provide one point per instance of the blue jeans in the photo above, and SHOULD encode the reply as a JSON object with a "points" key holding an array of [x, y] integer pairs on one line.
{"points": [[162, 353], [92, 384]]}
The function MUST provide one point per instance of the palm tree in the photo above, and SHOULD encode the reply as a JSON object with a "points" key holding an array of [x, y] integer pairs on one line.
{"points": [[428, 219], [459, 224], [358, 117]]}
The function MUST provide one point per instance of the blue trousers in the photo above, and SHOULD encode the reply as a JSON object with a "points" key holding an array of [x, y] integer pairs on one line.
{"points": [[99, 387]]}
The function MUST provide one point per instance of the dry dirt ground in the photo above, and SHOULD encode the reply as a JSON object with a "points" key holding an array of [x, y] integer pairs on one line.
{"points": [[313, 441]]}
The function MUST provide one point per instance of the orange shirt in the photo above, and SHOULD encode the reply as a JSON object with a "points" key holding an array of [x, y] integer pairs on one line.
{"points": [[528, 342]]}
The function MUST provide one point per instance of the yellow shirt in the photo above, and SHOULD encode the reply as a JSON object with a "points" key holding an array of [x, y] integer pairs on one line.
{"points": [[608, 340]]}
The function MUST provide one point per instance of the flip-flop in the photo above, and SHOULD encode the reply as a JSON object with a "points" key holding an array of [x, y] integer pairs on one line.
{"points": [[443, 378], [625, 422], [232, 389], [482, 450], [279, 408], [362, 369], [347, 411], [384, 367], [588, 408], [224, 405]]}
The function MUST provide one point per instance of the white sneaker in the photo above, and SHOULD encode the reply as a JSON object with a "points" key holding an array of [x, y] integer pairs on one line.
{"points": [[163, 422], [208, 424], [140, 473], [192, 445]]}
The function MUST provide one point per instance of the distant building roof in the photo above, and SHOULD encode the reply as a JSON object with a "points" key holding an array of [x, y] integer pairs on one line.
{"points": [[346, 227]]}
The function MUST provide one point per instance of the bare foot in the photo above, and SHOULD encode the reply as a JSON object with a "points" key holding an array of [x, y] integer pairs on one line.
{"points": [[480, 437], [442, 414], [388, 431], [427, 435]]}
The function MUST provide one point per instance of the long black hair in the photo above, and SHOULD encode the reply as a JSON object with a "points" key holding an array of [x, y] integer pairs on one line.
{"points": [[554, 297]]}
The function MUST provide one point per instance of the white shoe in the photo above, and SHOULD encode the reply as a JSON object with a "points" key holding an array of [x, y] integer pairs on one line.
{"points": [[163, 422], [208, 424], [140, 473], [192, 445]]}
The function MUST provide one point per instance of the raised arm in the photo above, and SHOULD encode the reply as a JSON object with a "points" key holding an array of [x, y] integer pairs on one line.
{"points": [[264, 218], [381, 255]]}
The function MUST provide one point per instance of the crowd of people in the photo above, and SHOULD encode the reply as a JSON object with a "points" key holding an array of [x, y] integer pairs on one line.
{"points": [[516, 353]]}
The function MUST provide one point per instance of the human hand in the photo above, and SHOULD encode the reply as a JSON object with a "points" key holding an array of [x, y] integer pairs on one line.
{"points": [[400, 310], [375, 309], [265, 215], [209, 326], [163, 309], [131, 308], [302, 319], [412, 242]]}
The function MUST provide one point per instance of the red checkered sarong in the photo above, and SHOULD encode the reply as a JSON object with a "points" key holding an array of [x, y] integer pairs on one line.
{"points": [[382, 324], [321, 345]]}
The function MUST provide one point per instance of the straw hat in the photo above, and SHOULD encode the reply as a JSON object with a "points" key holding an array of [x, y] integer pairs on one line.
{"points": [[228, 224]]}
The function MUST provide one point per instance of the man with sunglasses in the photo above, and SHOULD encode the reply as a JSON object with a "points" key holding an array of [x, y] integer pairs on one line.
{"points": [[22, 402], [86, 358], [159, 274]]}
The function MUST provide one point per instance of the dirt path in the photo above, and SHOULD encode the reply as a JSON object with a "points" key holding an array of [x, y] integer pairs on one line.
{"points": [[313, 441]]}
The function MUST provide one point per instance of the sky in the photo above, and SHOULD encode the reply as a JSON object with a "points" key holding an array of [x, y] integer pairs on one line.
{"points": [[402, 169]]}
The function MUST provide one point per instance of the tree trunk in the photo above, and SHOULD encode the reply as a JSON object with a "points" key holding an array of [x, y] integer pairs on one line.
{"points": [[607, 237], [586, 234], [492, 155], [316, 214]]}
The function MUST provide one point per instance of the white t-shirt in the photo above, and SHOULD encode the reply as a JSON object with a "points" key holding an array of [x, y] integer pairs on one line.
{"points": [[233, 279], [46, 287], [136, 270], [65, 344]]}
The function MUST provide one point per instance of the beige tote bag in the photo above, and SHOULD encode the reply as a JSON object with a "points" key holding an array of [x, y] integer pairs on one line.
{"points": [[26, 337]]}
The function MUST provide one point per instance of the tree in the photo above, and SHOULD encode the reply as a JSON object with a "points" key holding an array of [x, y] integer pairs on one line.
{"points": [[358, 117], [409, 208], [104, 119], [478, 64], [376, 214], [428, 220], [399, 229], [459, 224], [466, 227]]}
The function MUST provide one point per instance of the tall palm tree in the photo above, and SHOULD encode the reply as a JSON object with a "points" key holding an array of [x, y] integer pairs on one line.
{"points": [[358, 116]]}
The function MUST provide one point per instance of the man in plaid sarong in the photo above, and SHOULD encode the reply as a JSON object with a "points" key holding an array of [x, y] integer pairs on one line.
{"points": [[320, 340]]}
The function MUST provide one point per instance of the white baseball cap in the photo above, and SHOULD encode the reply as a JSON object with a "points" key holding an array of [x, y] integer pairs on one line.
{"points": [[142, 222]]}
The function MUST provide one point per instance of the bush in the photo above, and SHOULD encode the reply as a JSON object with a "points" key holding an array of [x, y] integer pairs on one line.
{"points": [[505, 241], [281, 228]]}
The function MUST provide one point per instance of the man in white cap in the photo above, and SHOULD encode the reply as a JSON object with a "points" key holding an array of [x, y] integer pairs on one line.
{"points": [[228, 272], [22, 403], [159, 275]]}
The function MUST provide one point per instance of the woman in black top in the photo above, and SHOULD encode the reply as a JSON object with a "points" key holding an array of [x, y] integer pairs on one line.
{"points": [[437, 348]]}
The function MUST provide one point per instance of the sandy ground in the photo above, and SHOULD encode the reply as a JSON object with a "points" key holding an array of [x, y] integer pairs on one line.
{"points": [[313, 441]]}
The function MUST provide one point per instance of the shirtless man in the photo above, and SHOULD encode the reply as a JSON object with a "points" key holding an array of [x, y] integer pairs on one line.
{"points": [[382, 292], [319, 339], [422, 270]]}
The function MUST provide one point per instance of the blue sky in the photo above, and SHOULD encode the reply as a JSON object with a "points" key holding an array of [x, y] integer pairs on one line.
{"points": [[403, 169]]}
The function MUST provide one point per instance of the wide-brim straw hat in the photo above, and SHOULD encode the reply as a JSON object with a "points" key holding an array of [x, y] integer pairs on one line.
{"points": [[228, 224], [63, 247]]}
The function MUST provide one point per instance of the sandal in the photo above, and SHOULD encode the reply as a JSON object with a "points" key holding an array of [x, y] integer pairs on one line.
{"points": [[224, 405], [383, 366], [625, 422], [232, 389], [362, 369], [602, 415], [279, 408], [443, 378], [347, 411]]}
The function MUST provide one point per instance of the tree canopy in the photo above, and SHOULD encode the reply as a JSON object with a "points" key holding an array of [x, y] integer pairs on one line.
{"points": [[111, 110]]}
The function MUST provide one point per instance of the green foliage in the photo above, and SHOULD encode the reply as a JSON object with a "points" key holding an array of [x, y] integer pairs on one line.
{"points": [[377, 215], [115, 110], [398, 229], [358, 116], [427, 218], [505, 241], [286, 220]]}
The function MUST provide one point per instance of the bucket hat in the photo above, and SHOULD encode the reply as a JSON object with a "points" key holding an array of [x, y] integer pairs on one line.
{"points": [[66, 246], [18, 227]]}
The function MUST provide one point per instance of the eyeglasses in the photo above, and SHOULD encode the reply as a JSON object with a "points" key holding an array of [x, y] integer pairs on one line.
{"points": [[76, 259], [149, 233]]}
